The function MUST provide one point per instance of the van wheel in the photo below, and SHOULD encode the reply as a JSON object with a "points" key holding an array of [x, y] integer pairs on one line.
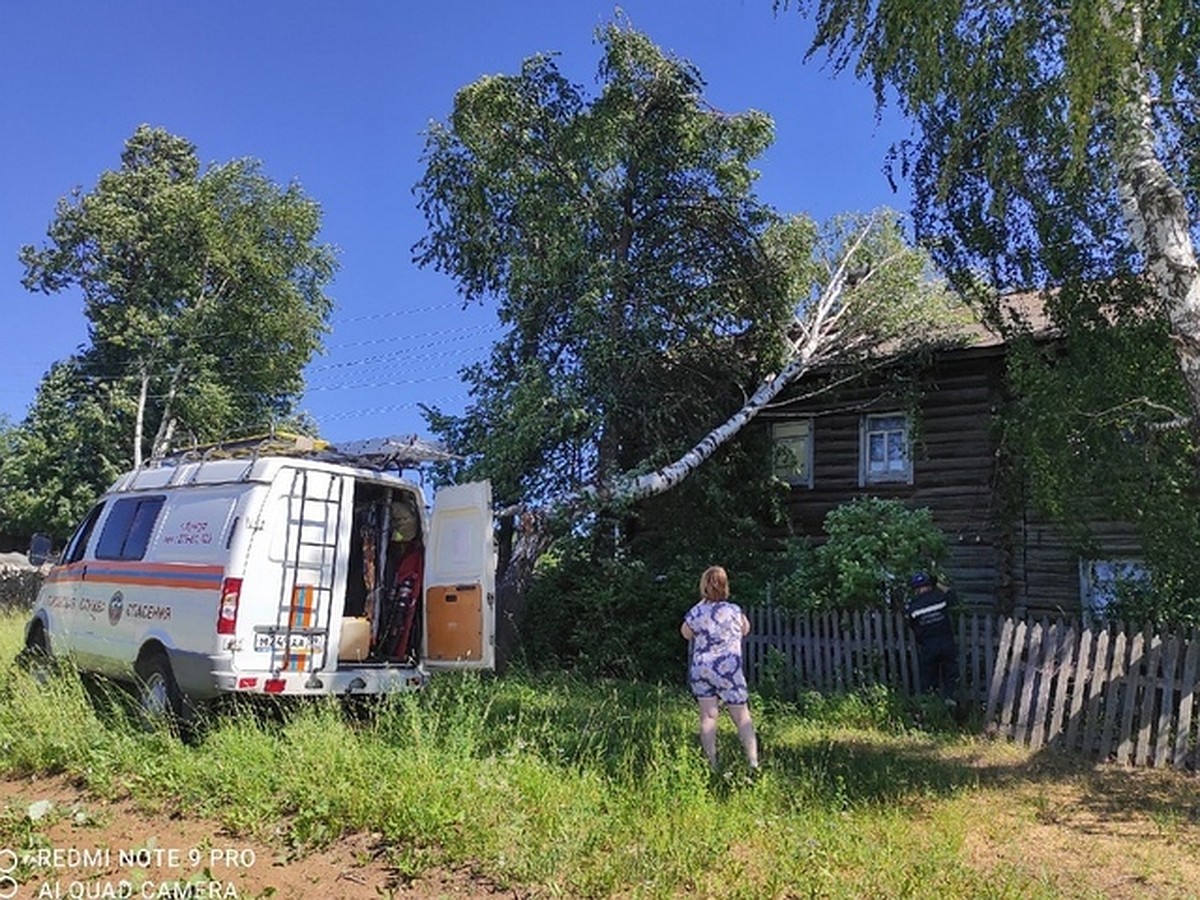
{"points": [[158, 695], [35, 657]]}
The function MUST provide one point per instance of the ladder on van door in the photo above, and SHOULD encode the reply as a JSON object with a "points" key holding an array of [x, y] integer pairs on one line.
{"points": [[314, 513]]}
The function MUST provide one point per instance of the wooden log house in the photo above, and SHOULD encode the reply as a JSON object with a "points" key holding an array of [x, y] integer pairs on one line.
{"points": [[926, 434]]}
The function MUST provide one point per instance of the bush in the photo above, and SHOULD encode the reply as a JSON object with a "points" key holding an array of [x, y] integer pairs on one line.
{"points": [[18, 588], [608, 618], [871, 546]]}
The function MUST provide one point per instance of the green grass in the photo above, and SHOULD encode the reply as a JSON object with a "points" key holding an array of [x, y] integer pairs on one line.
{"points": [[558, 785]]}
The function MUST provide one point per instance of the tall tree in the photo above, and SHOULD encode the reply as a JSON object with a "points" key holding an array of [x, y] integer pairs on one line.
{"points": [[1054, 141], [619, 239], [204, 290], [649, 297]]}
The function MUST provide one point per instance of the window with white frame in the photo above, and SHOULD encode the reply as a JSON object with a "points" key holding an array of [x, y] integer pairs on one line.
{"points": [[1102, 581], [793, 451], [884, 453]]}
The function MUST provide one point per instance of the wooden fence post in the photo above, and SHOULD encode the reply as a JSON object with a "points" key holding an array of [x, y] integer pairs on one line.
{"points": [[1046, 667], [1114, 697], [1064, 666], [1142, 752], [1170, 660], [1007, 634], [1030, 673], [1187, 696], [1095, 694]]}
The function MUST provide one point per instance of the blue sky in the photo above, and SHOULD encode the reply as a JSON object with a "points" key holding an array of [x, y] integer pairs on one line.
{"points": [[335, 96]]}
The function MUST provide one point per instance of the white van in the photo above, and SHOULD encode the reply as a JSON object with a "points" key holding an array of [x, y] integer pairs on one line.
{"points": [[261, 570]]}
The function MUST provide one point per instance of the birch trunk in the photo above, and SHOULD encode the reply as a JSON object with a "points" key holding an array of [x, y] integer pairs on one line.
{"points": [[820, 338], [140, 417], [166, 424], [1156, 215], [667, 477]]}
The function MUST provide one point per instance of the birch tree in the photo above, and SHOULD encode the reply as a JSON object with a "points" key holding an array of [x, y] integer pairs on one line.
{"points": [[653, 305], [621, 243], [204, 291], [861, 295], [1053, 142]]}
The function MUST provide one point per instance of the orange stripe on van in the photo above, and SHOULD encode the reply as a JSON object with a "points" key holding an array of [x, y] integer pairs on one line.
{"points": [[67, 573], [132, 572], [302, 615], [303, 607]]}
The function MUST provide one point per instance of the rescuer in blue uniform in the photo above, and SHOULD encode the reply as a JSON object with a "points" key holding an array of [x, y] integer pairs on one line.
{"points": [[928, 614]]}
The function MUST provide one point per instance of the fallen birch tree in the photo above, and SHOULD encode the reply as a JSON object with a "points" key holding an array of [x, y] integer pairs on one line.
{"points": [[877, 298]]}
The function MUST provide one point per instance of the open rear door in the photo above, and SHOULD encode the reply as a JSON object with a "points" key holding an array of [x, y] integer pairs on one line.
{"points": [[460, 580]]}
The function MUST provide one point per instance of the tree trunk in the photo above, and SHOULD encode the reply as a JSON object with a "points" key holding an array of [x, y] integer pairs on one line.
{"points": [[140, 418], [668, 476], [167, 422], [512, 587], [1157, 217]]}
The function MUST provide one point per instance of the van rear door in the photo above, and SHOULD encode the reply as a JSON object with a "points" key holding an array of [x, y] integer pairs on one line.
{"points": [[460, 580]]}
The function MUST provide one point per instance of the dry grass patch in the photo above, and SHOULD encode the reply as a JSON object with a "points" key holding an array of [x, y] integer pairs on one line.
{"points": [[1090, 830]]}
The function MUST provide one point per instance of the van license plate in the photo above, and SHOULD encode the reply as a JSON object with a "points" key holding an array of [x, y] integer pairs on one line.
{"points": [[279, 640]]}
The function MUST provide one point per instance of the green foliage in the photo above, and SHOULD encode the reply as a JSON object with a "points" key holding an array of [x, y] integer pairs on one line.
{"points": [[1015, 164], [1093, 432], [606, 617], [871, 546], [204, 293], [68, 450], [1141, 601], [894, 298], [615, 610], [874, 706], [618, 236]]}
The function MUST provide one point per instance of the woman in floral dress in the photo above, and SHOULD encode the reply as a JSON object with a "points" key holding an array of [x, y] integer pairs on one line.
{"points": [[717, 626]]}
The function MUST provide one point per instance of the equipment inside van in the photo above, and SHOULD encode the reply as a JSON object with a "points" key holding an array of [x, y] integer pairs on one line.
{"points": [[274, 565]]}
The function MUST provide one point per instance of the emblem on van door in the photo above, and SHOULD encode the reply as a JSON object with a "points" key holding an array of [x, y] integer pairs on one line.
{"points": [[116, 606]]}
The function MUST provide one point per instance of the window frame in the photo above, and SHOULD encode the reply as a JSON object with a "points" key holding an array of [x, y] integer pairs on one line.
{"points": [[784, 442], [1121, 568], [77, 545], [128, 527], [865, 432]]}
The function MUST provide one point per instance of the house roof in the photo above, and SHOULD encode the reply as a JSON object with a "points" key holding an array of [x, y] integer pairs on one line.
{"points": [[996, 321]]}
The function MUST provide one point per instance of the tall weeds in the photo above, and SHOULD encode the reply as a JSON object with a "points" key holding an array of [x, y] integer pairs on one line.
{"points": [[572, 788]]}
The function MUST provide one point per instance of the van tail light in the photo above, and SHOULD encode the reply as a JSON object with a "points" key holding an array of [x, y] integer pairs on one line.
{"points": [[231, 593]]}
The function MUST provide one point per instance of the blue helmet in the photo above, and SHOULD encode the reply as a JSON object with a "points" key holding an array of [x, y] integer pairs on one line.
{"points": [[920, 579]]}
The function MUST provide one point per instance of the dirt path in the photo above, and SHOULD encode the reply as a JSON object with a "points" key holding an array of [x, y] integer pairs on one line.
{"points": [[94, 849]]}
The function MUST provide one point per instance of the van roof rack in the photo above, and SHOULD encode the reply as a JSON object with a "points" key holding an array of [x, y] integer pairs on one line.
{"points": [[279, 443], [397, 452]]}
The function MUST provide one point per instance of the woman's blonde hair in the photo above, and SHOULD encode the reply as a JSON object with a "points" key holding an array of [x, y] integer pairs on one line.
{"points": [[714, 584]]}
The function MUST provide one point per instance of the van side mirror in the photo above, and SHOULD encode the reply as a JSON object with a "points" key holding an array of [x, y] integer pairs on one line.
{"points": [[39, 549]]}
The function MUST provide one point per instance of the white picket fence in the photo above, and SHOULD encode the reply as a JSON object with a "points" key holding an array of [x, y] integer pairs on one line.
{"points": [[1110, 692]]}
